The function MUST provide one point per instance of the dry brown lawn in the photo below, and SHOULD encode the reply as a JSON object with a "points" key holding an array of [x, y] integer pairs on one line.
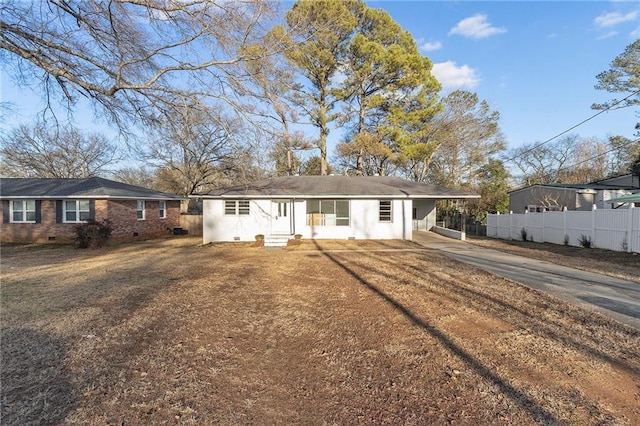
{"points": [[349, 332], [617, 264]]}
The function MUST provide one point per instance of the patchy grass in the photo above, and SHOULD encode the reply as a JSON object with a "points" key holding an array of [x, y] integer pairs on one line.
{"points": [[616, 264], [341, 332]]}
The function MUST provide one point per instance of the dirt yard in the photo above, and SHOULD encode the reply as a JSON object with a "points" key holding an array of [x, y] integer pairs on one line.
{"points": [[376, 332]]}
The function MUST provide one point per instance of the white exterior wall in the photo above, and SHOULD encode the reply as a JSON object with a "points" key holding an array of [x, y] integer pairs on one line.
{"points": [[364, 221], [425, 215], [216, 226]]}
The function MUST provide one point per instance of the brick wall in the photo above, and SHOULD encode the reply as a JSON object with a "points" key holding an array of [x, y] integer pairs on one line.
{"points": [[121, 214]]}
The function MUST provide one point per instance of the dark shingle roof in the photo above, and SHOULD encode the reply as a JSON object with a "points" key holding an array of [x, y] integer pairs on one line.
{"points": [[337, 187], [93, 187]]}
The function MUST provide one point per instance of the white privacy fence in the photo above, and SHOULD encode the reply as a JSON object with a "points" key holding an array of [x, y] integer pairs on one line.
{"points": [[609, 229]]}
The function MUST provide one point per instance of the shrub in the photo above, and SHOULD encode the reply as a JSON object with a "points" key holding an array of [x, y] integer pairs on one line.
{"points": [[298, 236], [259, 237], [566, 240], [523, 234], [92, 234], [585, 241]]}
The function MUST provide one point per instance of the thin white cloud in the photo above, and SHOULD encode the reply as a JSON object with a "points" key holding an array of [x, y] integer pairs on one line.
{"points": [[614, 18], [635, 33], [452, 76], [608, 35], [476, 26], [431, 46]]}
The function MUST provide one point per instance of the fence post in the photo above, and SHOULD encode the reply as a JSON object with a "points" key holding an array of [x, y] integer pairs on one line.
{"points": [[593, 225], [542, 230], [564, 223], [510, 225], [629, 234]]}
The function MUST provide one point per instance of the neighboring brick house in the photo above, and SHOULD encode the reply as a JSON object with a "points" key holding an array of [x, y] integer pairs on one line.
{"points": [[42, 210]]}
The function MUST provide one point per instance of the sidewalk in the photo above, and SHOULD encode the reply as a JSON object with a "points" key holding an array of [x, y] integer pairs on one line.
{"points": [[616, 298]]}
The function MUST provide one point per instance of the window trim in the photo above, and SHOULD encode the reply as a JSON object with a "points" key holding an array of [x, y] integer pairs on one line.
{"points": [[24, 211], [139, 210], [311, 220], [237, 208], [162, 209], [78, 211], [388, 213]]}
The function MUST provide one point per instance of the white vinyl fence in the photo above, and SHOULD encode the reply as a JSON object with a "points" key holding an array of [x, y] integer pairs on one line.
{"points": [[609, 229]]}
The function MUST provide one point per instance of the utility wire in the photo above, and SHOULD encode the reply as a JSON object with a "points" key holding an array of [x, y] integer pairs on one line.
{"points": [[597, 155], [571, 128]]}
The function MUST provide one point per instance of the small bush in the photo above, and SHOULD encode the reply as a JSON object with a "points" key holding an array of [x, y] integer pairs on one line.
{"points": [[585, 241], [298, 236], [523, 234], [625, 245], [566, 240], [92, 234], [259, 237]]}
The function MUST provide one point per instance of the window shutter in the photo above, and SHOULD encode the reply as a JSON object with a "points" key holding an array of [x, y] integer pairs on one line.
{"points": [[92, 209], [58, 211], [6, 211], [38, 211]]}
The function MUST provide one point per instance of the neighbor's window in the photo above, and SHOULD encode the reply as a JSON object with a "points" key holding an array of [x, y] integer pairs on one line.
{"points": [[328, 213], [236, 207], [162, 208], [385, 211], [23, 211], [76, 210], [140, 210]]}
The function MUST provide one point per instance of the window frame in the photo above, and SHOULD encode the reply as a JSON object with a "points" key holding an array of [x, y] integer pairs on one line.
{"points": [[24, 211], [162, 209], [141, 213], [339, 220], [385, 215], [237, 208], [77, 211]]}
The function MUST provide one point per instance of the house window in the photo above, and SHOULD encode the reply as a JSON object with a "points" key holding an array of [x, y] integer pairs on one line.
{"points": [[76, 211], [328, 213], [140, 209], [385, 211], [236, 207], [162, 208], [23, 211]]}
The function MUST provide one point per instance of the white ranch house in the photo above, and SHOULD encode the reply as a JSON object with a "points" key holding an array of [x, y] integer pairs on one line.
{"points": [[323, 207]]}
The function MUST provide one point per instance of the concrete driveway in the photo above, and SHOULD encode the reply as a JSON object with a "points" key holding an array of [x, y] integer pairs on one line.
{"points": [[616, 298]]}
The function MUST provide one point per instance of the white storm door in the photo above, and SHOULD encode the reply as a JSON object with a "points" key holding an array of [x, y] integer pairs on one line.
{"points": [[280, 216]]}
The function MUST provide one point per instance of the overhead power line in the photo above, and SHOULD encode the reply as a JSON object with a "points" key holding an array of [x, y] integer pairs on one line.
{"points": [[536, 146], [598, 155]]}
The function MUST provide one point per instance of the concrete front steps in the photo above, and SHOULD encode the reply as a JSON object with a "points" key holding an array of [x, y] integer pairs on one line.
{"points": [[276, 240]]}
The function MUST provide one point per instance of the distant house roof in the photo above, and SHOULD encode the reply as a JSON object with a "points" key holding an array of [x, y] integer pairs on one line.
{"points": [[629, 198], [595, 186], [338, 187], [93, 187]]}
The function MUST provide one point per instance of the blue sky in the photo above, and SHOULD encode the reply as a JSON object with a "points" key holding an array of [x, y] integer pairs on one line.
{"points": [[535, 62]]}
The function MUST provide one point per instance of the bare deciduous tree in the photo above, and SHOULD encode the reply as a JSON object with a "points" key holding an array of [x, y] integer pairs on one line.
{"points": [[135, 59], [570, 159], [35, 151], [191, 151]]}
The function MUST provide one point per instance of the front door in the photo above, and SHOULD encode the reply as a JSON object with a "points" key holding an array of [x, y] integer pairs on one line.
{"points": [[281, 217]]}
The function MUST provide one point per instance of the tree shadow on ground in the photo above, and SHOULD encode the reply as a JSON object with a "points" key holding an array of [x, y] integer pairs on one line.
{"points": [[35, 385], [520, 398]]}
